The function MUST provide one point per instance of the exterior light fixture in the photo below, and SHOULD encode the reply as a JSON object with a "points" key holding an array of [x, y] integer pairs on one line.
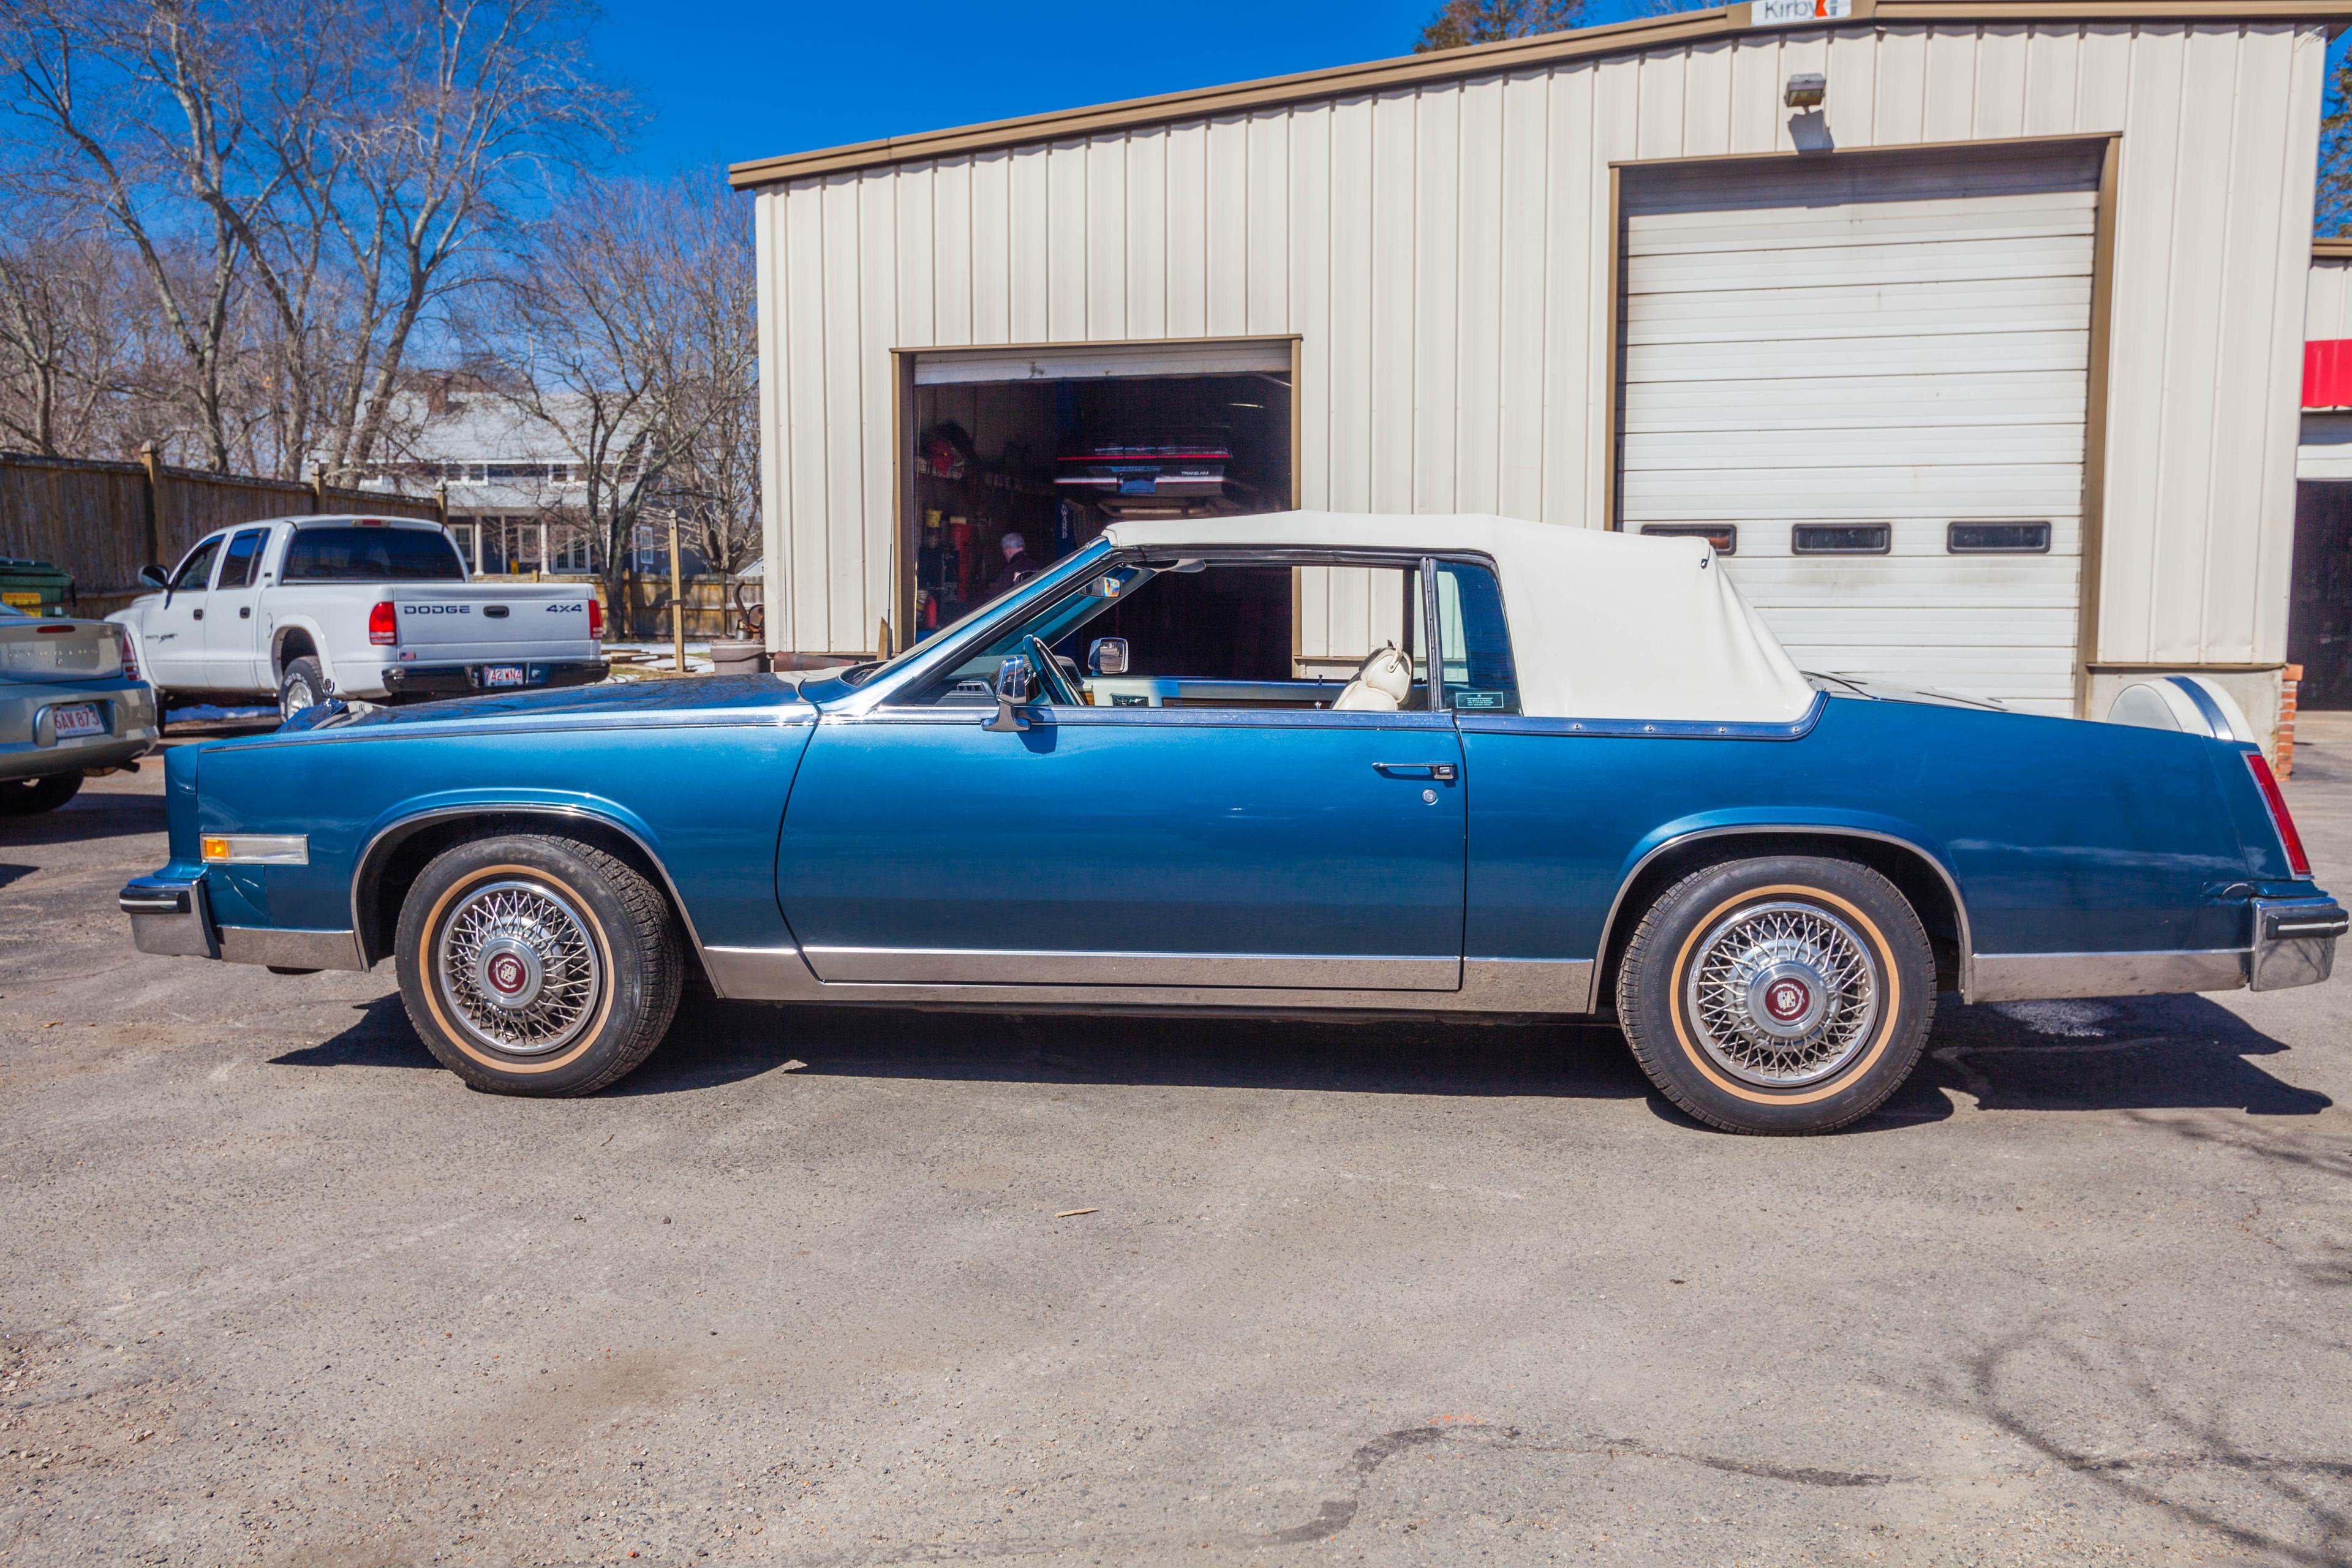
{"points": [[1806, 89]]}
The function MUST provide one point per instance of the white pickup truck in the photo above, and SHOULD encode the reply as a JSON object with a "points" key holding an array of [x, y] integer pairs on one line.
{"points": [[372, 608]]}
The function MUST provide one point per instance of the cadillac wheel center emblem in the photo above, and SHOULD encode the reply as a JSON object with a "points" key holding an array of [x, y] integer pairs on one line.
{"points": [[1781, 995], [516, 963], [508, 975]]}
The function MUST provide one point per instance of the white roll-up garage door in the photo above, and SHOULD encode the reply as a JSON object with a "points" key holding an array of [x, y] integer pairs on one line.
{"points": [[1858, 363]]}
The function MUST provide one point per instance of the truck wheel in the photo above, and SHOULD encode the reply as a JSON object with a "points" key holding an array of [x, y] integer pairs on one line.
{"points": [[539, 965], [1784, 994], [305, 685], [30, 797]]}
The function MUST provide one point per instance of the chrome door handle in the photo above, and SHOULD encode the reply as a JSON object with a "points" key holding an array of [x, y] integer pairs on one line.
{"points": [[1441, 772]]}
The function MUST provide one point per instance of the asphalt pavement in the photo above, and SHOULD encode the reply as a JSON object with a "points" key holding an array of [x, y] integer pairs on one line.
{"points": [[834, 1286]]}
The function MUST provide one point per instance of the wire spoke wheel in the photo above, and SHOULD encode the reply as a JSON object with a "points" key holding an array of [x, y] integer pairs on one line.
{"points": [[516, 964], [1782, 994]]}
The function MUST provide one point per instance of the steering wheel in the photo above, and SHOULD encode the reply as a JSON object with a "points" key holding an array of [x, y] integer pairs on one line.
{"points": [[1058, 690]]}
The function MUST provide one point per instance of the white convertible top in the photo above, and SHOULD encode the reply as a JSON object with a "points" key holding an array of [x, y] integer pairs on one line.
{"points": [[1603, 626]]}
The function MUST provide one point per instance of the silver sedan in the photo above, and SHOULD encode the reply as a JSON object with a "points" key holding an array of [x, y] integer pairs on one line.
{"points": [[71, 702]]}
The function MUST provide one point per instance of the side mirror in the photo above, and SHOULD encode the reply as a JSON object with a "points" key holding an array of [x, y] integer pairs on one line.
{"points": [[1016, 687], [154, 576], [1107, 656]]}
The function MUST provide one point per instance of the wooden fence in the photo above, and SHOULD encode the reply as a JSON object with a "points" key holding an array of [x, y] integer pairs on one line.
{"points": [[102, 522]]}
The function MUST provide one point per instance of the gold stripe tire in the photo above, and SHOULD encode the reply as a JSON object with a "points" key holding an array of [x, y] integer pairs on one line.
{"points": [[1857, 1015], [627, 973]]}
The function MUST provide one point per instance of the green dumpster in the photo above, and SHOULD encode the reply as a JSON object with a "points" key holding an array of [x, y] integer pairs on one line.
{"points": [[35, 588]]}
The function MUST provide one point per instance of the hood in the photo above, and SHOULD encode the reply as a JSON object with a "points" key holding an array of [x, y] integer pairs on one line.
{"points": [[719, 699]]}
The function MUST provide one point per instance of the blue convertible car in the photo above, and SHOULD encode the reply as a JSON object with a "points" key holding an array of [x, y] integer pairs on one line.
{"points": [[1578, 776]]}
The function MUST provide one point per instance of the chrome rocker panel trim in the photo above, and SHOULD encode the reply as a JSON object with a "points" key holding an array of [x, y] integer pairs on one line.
{"points": [[994, 966], [1518, 986]]}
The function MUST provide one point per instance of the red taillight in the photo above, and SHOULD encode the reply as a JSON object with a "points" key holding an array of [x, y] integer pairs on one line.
{"points": [[129, 651], [2297, 861], [383, 627], [595, 618]]}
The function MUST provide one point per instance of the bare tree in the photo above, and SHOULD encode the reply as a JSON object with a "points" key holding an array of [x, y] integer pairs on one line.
{"points": [[712, 411], [1459, 23], [141, 105], [2334, 211], [340, 169]]}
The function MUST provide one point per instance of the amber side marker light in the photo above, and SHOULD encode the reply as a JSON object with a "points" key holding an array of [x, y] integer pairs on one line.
{"points": [[255, 848], [2281, 818]]}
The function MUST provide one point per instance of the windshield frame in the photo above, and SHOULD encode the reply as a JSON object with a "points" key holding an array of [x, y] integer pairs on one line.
{"points": [[952, 643]]}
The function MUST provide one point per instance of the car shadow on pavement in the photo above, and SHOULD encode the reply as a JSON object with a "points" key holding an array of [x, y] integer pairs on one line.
{"points": [[381, 1037], [2123, 1054], [89, 815], [716, 1042]]}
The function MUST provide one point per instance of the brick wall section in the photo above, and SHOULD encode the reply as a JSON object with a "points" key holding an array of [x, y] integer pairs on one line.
{"points": [[2288, 679]]}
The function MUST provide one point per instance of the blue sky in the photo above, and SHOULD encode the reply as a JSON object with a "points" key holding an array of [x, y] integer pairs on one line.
{"points": [[724, 80]]}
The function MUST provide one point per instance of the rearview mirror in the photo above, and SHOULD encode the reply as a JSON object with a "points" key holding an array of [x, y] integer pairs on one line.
{"points": [[1016, 685], [1107, 656], [154, 576]]}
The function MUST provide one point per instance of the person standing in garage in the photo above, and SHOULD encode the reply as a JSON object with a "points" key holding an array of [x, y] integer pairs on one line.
{"points": [[1018, 567]]}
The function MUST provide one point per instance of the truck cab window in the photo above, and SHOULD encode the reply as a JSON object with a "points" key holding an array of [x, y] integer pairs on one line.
{"points": [[243, 562], [196, 572]]}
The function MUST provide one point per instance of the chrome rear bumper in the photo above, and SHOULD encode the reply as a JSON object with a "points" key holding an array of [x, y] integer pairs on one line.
{"points": [[2290, 942], [2295, 941]]}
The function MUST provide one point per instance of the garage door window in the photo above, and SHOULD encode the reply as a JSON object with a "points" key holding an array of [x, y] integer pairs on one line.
{"points": [[1840, 539], [1998, 539], [1725, 538]]}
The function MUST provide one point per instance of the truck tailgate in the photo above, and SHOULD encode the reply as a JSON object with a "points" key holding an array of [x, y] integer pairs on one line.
{"points": [[473, 623]]}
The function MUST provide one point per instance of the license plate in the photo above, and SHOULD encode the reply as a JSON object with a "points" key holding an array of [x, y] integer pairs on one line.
{"points": [[77, 718], [502, 675], [1138, 487]]}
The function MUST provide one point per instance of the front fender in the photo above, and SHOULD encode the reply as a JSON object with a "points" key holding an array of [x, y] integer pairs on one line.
{"points": [[396, 824]]}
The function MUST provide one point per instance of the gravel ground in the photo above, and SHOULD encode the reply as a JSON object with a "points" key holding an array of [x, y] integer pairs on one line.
{"points": [[274, 1288]]}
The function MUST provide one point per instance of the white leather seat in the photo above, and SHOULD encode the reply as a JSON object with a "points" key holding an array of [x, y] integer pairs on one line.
{"points": [[1380, 684]]}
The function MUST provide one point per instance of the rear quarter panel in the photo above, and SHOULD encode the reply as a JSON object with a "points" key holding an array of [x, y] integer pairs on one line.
{"points": [[2063, 835], [705, 793]]}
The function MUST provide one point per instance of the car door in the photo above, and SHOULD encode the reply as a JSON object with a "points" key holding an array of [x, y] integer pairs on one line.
{"points": [[173, 637], [232, 631], [1266, 846]]}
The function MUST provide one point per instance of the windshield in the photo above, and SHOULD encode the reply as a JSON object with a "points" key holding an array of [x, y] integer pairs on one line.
{"points": [[860, 674], [363, 554]]}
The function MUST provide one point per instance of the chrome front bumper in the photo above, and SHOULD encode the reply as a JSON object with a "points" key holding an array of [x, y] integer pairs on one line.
{"points": [[171, 917]]}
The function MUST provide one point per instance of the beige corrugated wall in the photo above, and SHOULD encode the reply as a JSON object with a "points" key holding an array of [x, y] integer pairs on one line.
{"points": [[2327, 301], [1443, 253]]}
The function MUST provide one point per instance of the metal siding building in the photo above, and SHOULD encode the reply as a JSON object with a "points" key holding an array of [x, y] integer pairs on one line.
{"points": [[1491, 268]]}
